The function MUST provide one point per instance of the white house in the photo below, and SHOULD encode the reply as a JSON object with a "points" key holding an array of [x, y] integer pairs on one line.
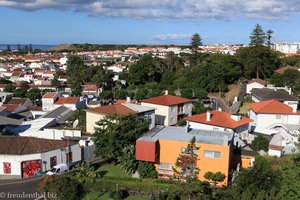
{"points": [[48, 100], [219, 121], [264, 94], [30, 157], [169, 109], [255, 83]]}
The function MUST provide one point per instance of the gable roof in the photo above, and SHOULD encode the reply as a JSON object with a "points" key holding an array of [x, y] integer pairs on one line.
{"points": [[18, 101], [283, 69], [167, 100], [29, 145], [89, 88], [112, 109], [258, 80], [67, 100], [218, 118], [49, 95], [267, 94], [11, 107], [272, 107]]}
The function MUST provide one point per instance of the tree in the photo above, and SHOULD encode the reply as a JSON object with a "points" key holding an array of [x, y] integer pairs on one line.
{"points": [[258, 61], [260, 180], [181, 122], [55, 82], [258, 36], [200, 93], [196, 41], [114, 132], [106, 94], [65, 187], [186, 93], [19, 47], [127, 160], [198, 108], [80, 115], [9, 88], [20, 93], [76, 71], [30, 48], [146, 170], [269, 36], [259, 143], [214, 177], [185, 167]]}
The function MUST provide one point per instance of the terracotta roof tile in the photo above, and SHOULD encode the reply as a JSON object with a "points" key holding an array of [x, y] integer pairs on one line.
{"points": [[67, 100], [283, 69], [275, 147], [167, 100], [272, 107], [49, 95], [11, 107], [218, 118], [112, 109], [29, 145], [90, 88], [17, 101]]}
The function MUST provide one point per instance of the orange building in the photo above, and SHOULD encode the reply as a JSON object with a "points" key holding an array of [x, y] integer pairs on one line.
{"points": [[162, 146]]}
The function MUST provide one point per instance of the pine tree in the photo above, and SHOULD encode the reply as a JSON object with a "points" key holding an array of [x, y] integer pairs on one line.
{"points": [[269, 36], [185, 167], [258, 36], [196, 41]]}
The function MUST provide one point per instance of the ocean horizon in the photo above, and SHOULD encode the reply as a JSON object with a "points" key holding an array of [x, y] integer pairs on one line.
{"points": [[22, 46]]}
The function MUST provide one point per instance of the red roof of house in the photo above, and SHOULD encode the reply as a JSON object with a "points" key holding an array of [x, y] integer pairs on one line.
{"points": [[221, 119], [11, 107], [283, 69], [112, 109], [272, 107], [167, 100], [275, 147], [39, 71], [67, 100], [90, 88], [258, 80], [49, 95]]}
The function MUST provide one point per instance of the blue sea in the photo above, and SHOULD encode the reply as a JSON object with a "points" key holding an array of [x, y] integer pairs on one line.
{"points": [[34, 46]]}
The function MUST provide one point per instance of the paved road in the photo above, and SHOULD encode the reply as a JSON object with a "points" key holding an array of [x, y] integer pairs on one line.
{"points": [[16, 189]]}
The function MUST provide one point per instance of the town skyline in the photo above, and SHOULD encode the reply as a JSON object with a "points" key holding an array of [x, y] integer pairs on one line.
{"points": [[142, 22]]}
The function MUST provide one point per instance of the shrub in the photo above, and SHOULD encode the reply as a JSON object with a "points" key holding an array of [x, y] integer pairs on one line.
{"points": [[146, 170], [181, 123]]}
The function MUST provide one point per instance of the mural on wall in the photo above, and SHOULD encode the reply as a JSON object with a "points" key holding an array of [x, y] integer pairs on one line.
{"points": [[53, 161], [31, 168], [6, 168]]}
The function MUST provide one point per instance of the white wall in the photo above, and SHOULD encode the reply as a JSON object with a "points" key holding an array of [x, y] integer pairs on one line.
{"points": [[273, 152], [54, 134], [195, 125], [250, 86]]}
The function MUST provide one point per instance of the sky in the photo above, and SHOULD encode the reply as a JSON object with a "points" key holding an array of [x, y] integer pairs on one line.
{"points": [[55, 22]]}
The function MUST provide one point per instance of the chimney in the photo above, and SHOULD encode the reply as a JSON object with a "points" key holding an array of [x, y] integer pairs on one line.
{"points": [[166, 92], [294, 108], [208, 116], [128, 99]]}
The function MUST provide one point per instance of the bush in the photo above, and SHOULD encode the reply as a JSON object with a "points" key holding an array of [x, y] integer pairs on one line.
{"points": [[181, 123], [65, 187], [260, 143], [146, 170]]}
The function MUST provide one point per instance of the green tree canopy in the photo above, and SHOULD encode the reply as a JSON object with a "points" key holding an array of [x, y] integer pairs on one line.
{"points": [[196, 41], [114, 132], [259, 143], [258, 36]]}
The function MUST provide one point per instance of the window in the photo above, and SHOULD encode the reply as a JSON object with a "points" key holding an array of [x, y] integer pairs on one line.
{"points": [[212, 154], [167, 166], [6, 168], [278, 116]]}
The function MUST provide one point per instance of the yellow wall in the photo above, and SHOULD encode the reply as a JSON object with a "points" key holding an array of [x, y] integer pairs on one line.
{"points": [[91, 119], [170, 150]]}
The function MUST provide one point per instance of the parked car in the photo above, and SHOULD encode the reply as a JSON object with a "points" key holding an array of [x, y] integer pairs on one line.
{"points": [[58, 169]]}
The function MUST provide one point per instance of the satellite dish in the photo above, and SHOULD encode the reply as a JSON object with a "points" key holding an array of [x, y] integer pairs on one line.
{"points": [[75, 123]]}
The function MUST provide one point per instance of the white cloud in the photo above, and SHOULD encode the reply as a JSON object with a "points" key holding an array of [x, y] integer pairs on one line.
{"points": [[173, 36], [169, 9]]}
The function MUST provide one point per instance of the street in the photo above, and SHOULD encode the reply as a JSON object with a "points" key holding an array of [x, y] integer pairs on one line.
{"points": [[19, 189]]}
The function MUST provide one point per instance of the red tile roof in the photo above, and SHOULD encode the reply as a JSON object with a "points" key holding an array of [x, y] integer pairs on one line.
{"points": [[11, 107], [112, 109], [283, 69], [167, 100], [49, 95], [258, 80], [272, 107], [90, 88], [275, 147], [67, 100], [221, 119]]}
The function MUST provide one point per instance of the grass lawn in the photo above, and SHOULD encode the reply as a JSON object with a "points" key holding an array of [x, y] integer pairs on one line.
{"points": [[114, 171]]}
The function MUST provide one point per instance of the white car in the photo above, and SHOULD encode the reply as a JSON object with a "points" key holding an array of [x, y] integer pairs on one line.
{"points": [[58, 169]]}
